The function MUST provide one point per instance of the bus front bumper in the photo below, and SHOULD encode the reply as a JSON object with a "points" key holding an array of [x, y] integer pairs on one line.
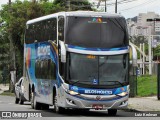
{"points": [[81, 103]]}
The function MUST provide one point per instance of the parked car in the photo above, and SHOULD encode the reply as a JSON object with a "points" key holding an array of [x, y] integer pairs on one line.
{"points": [[19, 92]]}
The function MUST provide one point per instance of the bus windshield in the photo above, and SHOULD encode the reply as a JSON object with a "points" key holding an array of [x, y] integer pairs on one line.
{"points": [[101, 32], [97, 71]]}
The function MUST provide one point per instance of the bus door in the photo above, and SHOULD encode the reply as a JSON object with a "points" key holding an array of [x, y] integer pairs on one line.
{"points": [[45, 77]]}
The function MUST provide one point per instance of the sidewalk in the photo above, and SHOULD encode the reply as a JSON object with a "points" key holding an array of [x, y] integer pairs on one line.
{"points": [[3, 87], [144, 104]]}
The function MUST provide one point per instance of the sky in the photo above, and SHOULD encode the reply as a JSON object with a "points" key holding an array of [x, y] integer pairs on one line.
{"points": [[129, 9]]}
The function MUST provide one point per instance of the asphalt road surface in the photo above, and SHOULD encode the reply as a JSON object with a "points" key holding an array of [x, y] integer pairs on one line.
{"points": [[7, 104]]}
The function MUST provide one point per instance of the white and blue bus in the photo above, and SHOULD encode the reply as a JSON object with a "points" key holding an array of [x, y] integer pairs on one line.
{"points": [[77, 60]]}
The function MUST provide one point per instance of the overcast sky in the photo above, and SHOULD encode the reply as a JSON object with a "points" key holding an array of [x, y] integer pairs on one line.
{"points": [[129, 9]]}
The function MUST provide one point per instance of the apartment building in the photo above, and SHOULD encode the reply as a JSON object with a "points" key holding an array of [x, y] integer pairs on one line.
{"points": [[142, 26]]}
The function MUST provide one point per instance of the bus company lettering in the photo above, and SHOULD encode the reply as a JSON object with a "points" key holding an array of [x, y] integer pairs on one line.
{"points": [[98, 91], [43, 50]]}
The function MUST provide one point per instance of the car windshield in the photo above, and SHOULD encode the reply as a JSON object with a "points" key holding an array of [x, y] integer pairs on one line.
{"points": [[102, 32], [99, 71]]}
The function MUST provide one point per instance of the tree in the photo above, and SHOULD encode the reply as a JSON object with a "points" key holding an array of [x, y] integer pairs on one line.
{"points": [[138, 39], [15, 17], [156, 53], [73, 5]]}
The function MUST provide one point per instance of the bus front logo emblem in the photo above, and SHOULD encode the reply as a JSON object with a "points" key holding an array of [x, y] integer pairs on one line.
{"points": [[98, 97]]}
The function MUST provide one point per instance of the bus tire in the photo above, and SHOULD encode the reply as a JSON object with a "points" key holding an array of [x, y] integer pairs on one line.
{"points": [[34, 103], [57, 109], [112, 112], [45, 107]]}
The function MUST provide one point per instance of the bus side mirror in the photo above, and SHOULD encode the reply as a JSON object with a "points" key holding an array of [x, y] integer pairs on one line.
{"points": [[133, 55], [63, 52]]}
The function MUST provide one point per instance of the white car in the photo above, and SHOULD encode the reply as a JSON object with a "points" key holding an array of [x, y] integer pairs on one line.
{"points": [[19, 92]]}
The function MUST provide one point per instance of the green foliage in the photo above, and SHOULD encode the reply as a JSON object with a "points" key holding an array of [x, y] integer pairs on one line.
{"points": [[147, 85], [74, 4], [15, 17], [157, 51], [138, 39]]}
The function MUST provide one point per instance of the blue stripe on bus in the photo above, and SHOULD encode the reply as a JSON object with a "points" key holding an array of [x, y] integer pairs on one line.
{"points": [[98, 49]]}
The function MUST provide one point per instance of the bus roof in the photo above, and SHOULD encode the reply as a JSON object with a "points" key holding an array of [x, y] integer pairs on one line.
{"points": [[75, 13]]}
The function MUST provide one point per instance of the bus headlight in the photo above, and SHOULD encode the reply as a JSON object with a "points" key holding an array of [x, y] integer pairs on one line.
{"points": [[123, 94], [73, 92]]}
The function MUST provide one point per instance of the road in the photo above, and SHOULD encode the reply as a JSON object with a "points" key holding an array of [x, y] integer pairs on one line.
{"points": [[7, 104]]}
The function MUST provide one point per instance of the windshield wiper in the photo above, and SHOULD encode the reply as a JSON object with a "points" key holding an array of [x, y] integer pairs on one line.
{"points": [[117, 82], [74, 82]]}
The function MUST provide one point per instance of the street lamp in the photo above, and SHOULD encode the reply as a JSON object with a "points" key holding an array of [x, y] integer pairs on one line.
{"points": [[116, 7]]}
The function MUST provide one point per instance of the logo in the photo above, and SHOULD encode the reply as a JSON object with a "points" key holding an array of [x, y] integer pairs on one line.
{"points": [[43, 50], [100, 92], [19, 115], [95, 81], [6, 115], [97, 20], [98, 97]]}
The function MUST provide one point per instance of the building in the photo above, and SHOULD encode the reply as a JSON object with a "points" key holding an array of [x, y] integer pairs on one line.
{"points": [[142, 26]]}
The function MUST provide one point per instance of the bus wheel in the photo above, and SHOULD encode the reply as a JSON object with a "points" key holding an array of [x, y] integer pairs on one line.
{"points": [[112, 112], [45, 107], [16, 100], [57, 109], [34, 103]]}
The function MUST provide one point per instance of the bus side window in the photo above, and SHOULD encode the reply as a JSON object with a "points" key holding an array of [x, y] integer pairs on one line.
{"points": [[38, 69], [27, 35], [41, 31], [51, 29], [30, 34], [37, 31], [45, 69], [61, 28], [46, 30], [52, 70]]}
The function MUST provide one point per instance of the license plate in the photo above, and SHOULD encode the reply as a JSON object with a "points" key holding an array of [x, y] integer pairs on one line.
{"points": [[95, 106]]}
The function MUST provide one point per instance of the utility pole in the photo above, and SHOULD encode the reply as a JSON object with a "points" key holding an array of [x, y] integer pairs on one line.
{"points": [[116, 7], [12, 57], [105, 5]]}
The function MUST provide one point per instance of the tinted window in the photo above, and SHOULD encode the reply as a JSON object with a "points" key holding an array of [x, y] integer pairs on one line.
{"points": [[45, 69], [30, 34], [104, 70], [42, 31], [96, 32], [61, 28]]}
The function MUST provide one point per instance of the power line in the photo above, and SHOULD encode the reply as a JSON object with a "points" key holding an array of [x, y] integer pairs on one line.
{"points": [[147, 2], [120, 2]]}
